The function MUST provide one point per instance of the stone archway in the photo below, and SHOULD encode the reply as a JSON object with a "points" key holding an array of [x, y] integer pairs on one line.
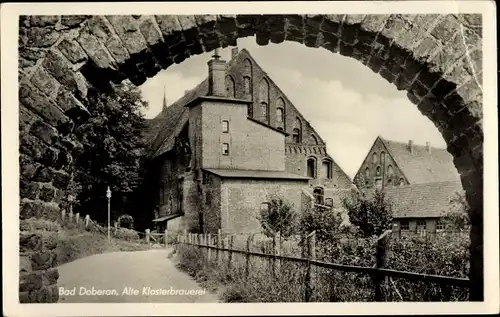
{"points": [[437, 59]]}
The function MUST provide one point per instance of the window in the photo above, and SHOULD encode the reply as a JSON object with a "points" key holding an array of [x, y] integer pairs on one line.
{"points": [[247, 83], [374, 158], [405, 225], [378, 171], [225, 148], [401, 181], [225, 126], [421, 227], [279, 115], [296, 135], [329, 202], [327, 169], [440, 225], [389, 181], [318, 194], [311, 168], [367, 172], [382, 157], [230, 87], [378, 183], [390, 170], [263, 109]]}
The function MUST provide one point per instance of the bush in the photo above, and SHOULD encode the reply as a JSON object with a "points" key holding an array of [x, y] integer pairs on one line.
{"points": [[126, 234], [373, 215], [279, 216], [326, 223], [36, 224]]}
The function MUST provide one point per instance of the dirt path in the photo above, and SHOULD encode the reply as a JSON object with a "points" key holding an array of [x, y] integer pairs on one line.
{"points": [[139, 277]]}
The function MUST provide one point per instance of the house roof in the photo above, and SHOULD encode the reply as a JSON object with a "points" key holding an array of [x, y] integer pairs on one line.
{"points": [[422, 200], [421, 165], [255, 174]]}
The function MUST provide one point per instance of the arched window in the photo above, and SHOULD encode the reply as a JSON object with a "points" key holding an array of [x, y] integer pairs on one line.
{"points": [[315, 139], [264, 98], [367, 172], [297, 131], [311, 167], [318, 194], [247, 67], [296, 135], [279, 115], [390, 171], [327, 169], [230, 88], [263, 109], [247, 86], [378, 171], [382, 157], [374, 158], [401, 181]]}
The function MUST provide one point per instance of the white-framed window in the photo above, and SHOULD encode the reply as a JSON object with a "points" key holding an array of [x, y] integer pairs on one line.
{"points": [[225, 148], [440, 225], [421, 227], [225, 126]]}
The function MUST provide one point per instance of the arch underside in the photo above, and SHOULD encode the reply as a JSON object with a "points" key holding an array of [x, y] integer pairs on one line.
{"points": [[437, 59]]}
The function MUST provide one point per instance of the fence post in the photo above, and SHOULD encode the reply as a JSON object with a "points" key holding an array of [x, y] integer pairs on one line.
{"points": [[209, 244], [230, 254], [77, 218], [382, 257], [310, 274], [223, 245], [276, 252], [247, 255], [147, 235], [166, 235], [71, 216], [217, 251], [87, 218]]}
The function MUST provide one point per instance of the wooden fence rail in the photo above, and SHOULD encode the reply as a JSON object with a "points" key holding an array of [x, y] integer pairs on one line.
{"points": [[378, 273]]}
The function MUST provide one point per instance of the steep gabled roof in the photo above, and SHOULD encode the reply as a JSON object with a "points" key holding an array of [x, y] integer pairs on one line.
{"points": [[420, 165], [422, 200]]}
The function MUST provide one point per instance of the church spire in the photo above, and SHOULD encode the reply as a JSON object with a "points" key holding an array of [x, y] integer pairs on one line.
{"points": [[164, 98]]}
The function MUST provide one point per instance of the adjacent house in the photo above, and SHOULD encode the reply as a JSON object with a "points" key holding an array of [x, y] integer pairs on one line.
{"points": [[420, 180], [219, 152]]}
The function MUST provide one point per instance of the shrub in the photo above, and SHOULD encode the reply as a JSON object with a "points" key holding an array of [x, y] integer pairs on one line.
{"points": [[126, 234], [326, 223], [372, 215], [35, 224], [279, 216]]}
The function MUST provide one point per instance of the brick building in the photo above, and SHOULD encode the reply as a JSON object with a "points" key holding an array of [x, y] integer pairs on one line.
{"points": [[226, 146], [419, 180]]}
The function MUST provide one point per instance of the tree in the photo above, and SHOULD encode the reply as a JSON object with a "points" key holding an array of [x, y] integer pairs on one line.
{"points": [[457, 217], [326, 223], [278, 216], [113, 147], [371, 215]]}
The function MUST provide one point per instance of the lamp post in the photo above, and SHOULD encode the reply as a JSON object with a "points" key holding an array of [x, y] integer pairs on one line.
{"points": [[108, 194]]}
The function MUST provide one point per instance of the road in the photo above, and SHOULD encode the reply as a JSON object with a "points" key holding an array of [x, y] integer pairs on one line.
{"points": [[135, 277]]}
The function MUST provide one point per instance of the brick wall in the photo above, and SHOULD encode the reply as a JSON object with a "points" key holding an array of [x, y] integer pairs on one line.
{"points": [[242, 199], [360, 178], [251, 145]]}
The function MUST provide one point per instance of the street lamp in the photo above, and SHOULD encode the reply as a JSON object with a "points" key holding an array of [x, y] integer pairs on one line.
{"points": [[108, 194]]}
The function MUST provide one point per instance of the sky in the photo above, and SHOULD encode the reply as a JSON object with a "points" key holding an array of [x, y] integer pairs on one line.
{"points": [[345, 102]]}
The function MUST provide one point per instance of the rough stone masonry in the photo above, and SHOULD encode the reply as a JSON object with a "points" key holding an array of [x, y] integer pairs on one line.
{"points": [[63, 60]]}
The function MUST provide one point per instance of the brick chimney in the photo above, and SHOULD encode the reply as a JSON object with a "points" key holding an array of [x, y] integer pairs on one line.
{"points": [[216, 76], [428, 147], [410, 146], [234, 52]]}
